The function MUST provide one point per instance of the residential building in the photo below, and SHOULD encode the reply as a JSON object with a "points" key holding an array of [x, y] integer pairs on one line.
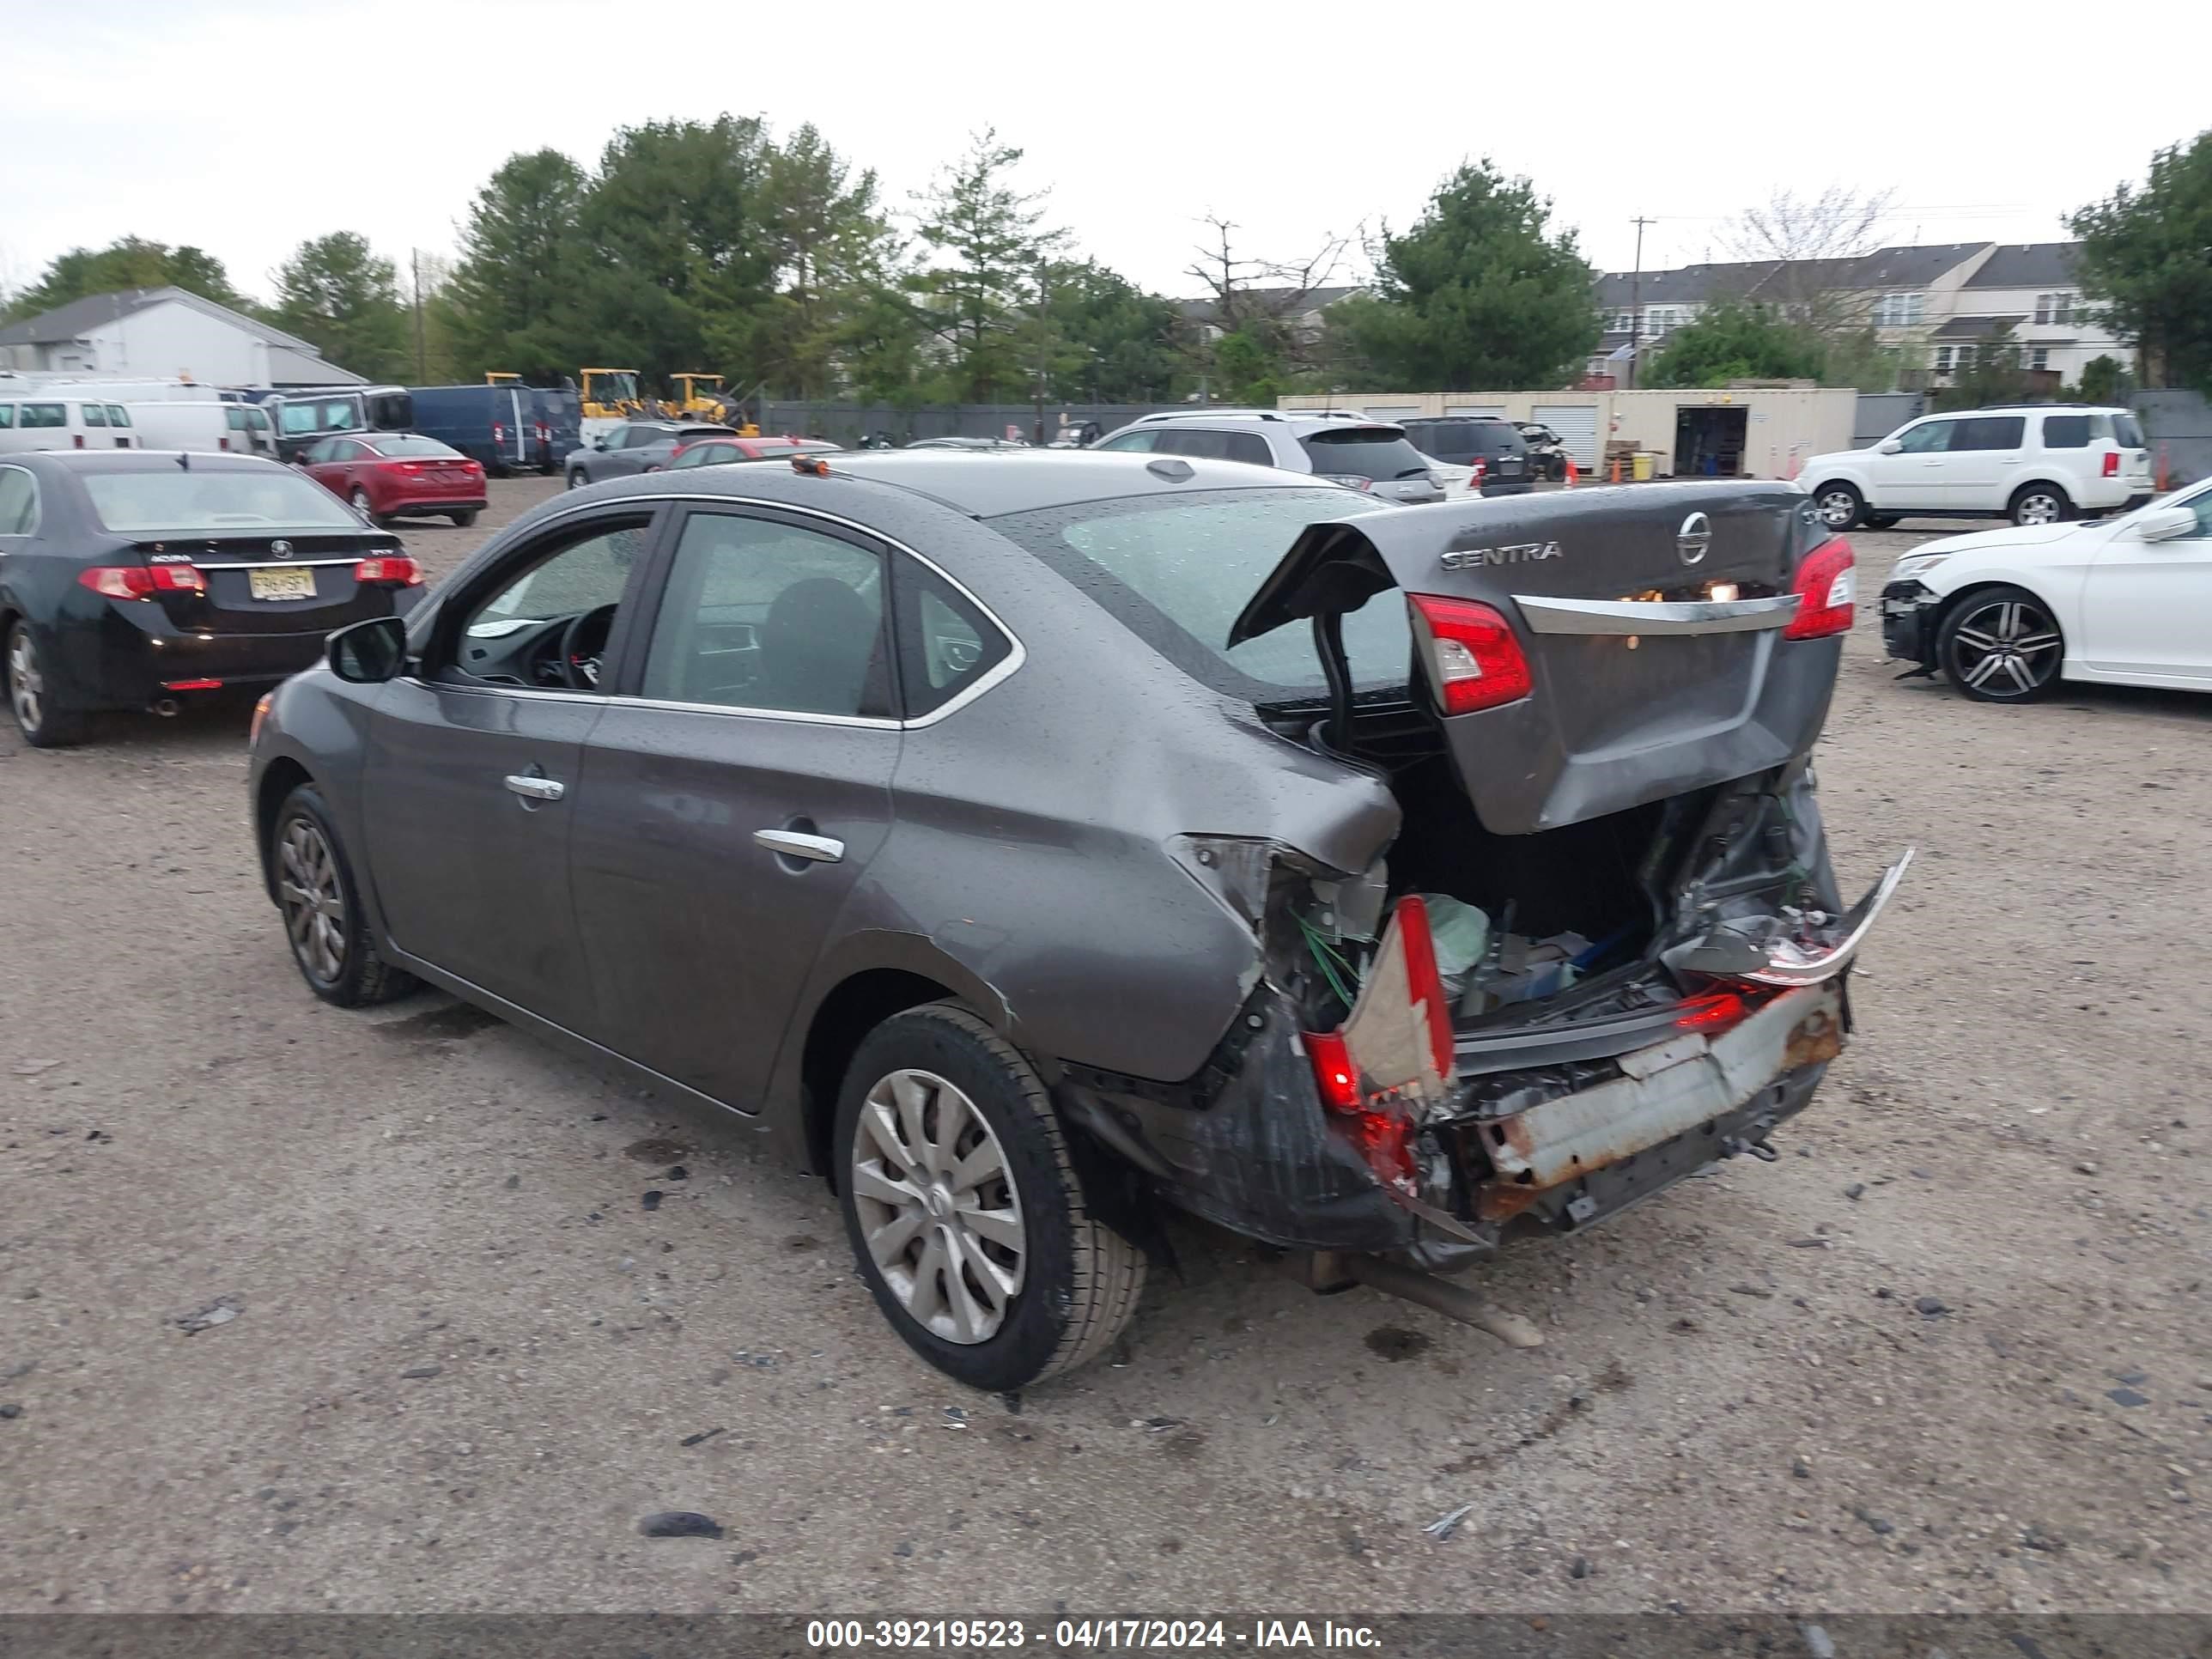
{"points": [[164, 332], [1938, 304]]}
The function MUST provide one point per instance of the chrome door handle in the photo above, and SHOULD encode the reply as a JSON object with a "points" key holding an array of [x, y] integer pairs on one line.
{"points": [[789, 843], [537, 788]]}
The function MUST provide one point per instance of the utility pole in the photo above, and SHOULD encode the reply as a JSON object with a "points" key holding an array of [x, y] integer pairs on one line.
{"points": [[422, 344], [1635, 303]]}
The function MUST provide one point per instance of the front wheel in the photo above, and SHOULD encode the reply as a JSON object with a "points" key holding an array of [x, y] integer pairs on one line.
{"points": [[43, 721], [321, 905], [361, 505], [964, 1209], [576, 479], [1838, 505], [2040, 503], [464, 519], [2000, 644]]}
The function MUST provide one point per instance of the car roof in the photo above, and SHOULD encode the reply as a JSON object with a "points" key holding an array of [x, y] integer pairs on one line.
{"points": [[1298, 421], [980, 485], [2037, 409], [148, 460]]}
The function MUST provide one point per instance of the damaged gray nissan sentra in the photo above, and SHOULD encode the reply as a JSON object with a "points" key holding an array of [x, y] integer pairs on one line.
{"points": [[1029, 842]]}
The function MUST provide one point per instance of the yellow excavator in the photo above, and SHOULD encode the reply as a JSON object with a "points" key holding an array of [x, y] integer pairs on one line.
{"points": [[501, 377], [609, 397]]}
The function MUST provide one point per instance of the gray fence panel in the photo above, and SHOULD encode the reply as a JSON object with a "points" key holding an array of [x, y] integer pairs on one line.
{"points": [[2179, 425], [1880, 413]]}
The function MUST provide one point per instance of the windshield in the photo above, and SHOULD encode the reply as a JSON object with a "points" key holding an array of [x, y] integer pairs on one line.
{"points": [[144, 503], [1176, 570], [1365, 452], [614, 386], [408, 444], [303, 416], [1461, 443]]}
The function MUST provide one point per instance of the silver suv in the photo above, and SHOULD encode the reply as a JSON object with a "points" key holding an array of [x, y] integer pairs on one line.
{"points": [[1343, 448]]}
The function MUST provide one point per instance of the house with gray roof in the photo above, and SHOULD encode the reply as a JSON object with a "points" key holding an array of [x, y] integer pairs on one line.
{"points": [[164, 333]]}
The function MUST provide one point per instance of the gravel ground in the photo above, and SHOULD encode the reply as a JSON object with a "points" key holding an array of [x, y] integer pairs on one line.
{"points": [[1950, 1352]]}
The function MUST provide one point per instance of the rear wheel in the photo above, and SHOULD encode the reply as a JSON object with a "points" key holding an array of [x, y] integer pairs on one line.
{"points": [[321, 905], [1838, 505], [2040, 503], [44, 722], [2000, 644], [1878, 520], [464, 519], [964, 1209]]}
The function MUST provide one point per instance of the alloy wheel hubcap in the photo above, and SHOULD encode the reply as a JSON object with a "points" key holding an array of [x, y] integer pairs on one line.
{"points": [[1836, 508], [938, 1211], [26, 686], [2039, 509], [314, 904], [2007, 649]]}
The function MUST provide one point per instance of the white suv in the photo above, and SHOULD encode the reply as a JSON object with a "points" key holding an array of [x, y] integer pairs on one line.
{"points": [[1344, 449], [2033, 464]]}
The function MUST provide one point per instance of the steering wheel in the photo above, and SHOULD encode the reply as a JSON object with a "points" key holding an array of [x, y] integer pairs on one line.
{"points": [[582, 642]]}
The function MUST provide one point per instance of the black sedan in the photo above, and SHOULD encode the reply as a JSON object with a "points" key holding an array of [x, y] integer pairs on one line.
{"points": [[131, 578], [1029, 842]]}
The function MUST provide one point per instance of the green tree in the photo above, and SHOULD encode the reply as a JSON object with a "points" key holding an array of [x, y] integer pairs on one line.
{"points": [[834, 252], [2146, 255], [1111, 341], [1736, 341], [336, 292], [991, 248], [128, 263], [1480, 292], [512, 302], [2103, 381], [680, 258]]}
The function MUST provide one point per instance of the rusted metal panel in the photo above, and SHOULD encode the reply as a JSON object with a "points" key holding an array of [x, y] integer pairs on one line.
{"points": [[1671, 1087]]}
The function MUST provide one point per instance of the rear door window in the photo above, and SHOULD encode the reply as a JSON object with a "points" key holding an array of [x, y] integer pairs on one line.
{"points": [[1251, 448], [1127, 442], [1364, 452], [118, 415], [93, 414], [1990, 432], [2127, 432], [43, 415], [1195, 442], [7, 416], [762, 615]]}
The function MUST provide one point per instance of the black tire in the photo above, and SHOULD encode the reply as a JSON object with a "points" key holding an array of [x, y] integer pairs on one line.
{"points": [[1079, 1279], [360, 976], [464, 519], [1840, 506], [2040, 503], [45, 722], [576, 479], [1878, 520], [2000, 644], [360, 499]]}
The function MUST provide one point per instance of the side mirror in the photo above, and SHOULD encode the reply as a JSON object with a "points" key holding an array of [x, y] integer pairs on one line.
{"points": [[598, 443], [1890, 446], [368, 652], [2165, 524]]}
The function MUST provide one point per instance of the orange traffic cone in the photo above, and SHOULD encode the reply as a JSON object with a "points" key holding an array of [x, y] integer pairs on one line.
{"points": [[1570, 472]]}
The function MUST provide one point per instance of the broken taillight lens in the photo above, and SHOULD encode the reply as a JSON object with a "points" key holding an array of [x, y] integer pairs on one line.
{"points": [[1475, 660], [1714, 1011], [1383, 1137], [1332, 1068], [1827, 591]]}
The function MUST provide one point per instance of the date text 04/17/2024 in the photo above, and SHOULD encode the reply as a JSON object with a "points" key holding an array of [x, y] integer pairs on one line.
{"points": [[1087, 1635]]}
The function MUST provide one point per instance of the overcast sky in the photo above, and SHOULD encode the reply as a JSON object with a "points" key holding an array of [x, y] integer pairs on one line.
{"points": [[244, 128]]}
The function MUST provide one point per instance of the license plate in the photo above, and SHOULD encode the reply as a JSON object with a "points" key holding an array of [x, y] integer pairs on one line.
{"points": [[281, 584]]}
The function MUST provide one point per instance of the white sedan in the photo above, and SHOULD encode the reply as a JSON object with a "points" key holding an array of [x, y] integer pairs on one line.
{"points": [[2008, 614]]}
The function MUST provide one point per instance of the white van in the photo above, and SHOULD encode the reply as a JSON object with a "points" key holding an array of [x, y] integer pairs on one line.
{"points": [[46, 421], [202, 428]]}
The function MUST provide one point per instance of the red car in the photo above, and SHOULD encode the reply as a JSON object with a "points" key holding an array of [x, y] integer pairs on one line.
{"points": [[390, 475], [721, 452]]}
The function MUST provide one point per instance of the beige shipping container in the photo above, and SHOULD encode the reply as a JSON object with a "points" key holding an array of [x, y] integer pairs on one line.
{"points": [[1752, 432]]}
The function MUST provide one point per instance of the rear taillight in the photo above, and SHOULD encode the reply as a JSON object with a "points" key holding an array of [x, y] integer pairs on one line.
{"points": [[411, 467], [2112, 465], [1475, 660], [1332, 1068], [1714, 1011], [142, 581], [225, 442], [1481, 471], [1826, 589], [498, 432], [388, 570], [78, 443]]}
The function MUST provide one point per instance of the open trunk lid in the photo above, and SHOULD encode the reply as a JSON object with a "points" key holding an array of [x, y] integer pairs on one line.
{"points": [[1652, 620]]}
